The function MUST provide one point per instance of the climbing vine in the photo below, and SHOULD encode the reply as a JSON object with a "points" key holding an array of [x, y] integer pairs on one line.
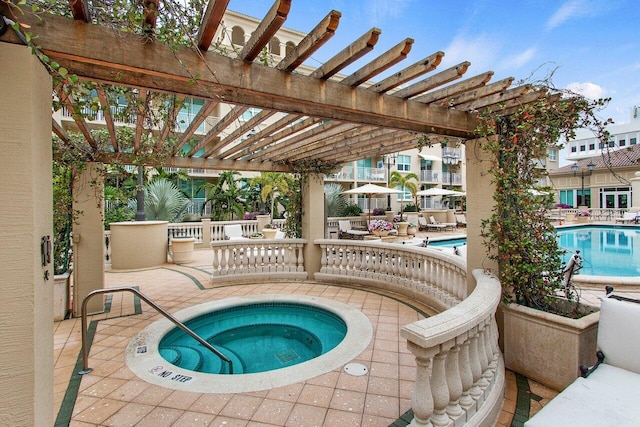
{"points": [[519, 234]]}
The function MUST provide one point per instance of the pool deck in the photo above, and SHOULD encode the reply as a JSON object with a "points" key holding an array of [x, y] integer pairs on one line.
{"points": [[112, 395]]}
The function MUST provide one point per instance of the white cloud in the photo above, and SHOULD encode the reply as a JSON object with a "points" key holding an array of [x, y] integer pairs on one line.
{"points": [[381, 10], [480, 50], [588, 89], [520, 59], [566, 12]]}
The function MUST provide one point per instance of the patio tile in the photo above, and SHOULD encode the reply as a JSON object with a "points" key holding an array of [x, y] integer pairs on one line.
{"points": [[306, 416]]}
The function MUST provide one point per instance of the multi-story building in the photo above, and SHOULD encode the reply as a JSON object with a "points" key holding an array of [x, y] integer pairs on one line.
{"points": [[601, 174], [623, 135]]}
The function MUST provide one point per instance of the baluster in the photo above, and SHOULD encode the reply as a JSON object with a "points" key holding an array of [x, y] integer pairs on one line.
{"points": [[216, 262], [300, 257], [489, 372], [466, 376], [422, 399], [324, 252], [476, 367], [482, 356], [440, 388], [454, 382]]}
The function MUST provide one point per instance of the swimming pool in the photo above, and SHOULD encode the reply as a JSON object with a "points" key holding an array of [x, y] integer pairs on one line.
{"points": [[607, 250]]}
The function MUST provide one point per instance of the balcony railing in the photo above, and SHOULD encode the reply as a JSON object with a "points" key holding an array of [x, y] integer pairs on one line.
{"points": [[430, 176]]}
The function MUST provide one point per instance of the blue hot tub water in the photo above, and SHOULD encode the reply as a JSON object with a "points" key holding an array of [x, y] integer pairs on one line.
{"points": [[256, 337]]}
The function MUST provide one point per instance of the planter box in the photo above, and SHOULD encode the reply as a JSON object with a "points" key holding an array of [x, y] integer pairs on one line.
{"points": [[182, 249], [60, 296], [269, 233], [546, 347]]}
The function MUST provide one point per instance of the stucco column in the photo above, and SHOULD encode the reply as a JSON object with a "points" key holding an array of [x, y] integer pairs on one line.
{"points": [[635, 190], [479, 205], [313, 221], [88, 239], [26, 316]]}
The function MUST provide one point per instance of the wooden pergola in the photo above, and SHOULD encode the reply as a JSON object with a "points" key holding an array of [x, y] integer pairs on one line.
{"points": [[327, 120]]}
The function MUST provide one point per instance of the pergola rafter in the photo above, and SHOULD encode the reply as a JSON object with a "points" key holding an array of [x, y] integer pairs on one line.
{"points": [[322, 117]]}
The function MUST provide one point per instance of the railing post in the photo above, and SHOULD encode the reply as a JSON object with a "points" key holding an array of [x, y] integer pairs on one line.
{"points": [[422, 399]]}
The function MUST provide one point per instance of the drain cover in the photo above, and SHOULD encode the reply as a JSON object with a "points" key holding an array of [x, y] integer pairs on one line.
{"points": [[355, 369], [287, 356]]}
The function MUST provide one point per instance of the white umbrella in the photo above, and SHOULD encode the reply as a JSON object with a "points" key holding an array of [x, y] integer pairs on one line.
{"points": [[439, 192], [371, 189]]}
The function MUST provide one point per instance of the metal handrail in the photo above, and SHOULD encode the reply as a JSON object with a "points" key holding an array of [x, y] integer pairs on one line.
{"points": [[85, 350]]}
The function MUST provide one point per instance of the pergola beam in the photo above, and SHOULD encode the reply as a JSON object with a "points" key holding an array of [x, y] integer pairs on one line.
{"points": [[156, 67], [200, 117], [434, 81], [312, 42], [243, 149], [363, 45], [80, 10], [442, 95], [413, 71], [169, 126], [267, 28], [108, 118], [235, 112], [380, 64], [210, 23], [490, 89]]}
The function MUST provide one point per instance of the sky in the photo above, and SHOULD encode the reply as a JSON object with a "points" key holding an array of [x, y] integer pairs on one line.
{"points": [[589, 46]]}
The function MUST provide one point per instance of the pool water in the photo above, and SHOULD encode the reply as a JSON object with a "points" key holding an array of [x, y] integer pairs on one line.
{"points": [[256, 337], [607, 250]]}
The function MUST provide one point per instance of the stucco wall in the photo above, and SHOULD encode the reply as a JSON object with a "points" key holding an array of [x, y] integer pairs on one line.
{"points": [[26, 317]]}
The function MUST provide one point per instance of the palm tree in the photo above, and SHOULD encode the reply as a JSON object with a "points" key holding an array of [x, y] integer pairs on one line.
{"points": [[272, 183], [396, 179], [164, 201], [336, 201], [224, 197]]}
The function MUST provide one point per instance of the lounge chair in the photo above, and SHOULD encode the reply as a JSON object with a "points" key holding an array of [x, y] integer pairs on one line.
{"points": [[346, 232], [437, 225], [234, 232], [627, 217], [422, 224], [461, 220]]}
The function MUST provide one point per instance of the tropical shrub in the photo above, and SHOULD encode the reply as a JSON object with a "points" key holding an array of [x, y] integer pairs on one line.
{"points": [[352, 210]]}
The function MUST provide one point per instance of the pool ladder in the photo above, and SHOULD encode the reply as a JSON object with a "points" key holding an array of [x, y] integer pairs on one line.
{"points": [[85, 351]]}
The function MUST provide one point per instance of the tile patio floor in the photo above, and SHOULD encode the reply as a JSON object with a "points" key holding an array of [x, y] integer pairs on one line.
{"points": [[112, 395]]}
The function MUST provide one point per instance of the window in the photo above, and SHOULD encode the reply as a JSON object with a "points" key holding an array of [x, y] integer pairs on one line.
{"points": [[574, 149], [612, 144], [592, 147], [633, 141], [274, 46], [601, 145], [404, 162], [622, 142], [288, 48], [583, 148], [553, 154], [237, 36], [403, 196], [426, 165]]}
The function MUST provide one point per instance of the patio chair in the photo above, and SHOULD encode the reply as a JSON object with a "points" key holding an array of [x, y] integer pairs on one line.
{"points": [[461, 220], [627, 217], [234, 232], [436, 225], [346, 232], [422, 224]]}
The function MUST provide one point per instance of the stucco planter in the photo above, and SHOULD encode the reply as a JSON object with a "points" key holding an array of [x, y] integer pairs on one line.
{"points": [[269, 233], [546, 347], [402, 228], [389, 215], [182, 249], [60, 295], [412, 230]]}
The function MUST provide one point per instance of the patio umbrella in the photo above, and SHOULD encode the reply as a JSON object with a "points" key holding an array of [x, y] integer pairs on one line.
{"points": [[439, 192], [370, 190]]}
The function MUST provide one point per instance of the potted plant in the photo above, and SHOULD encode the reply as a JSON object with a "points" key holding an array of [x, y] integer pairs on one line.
{"points": [[400, 225], [269, 231], [412, 229], [380, 227], [543, 336]]}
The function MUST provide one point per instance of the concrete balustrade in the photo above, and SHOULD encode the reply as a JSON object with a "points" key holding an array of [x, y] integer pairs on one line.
{"points": [[460, 371], [254, 260]]}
